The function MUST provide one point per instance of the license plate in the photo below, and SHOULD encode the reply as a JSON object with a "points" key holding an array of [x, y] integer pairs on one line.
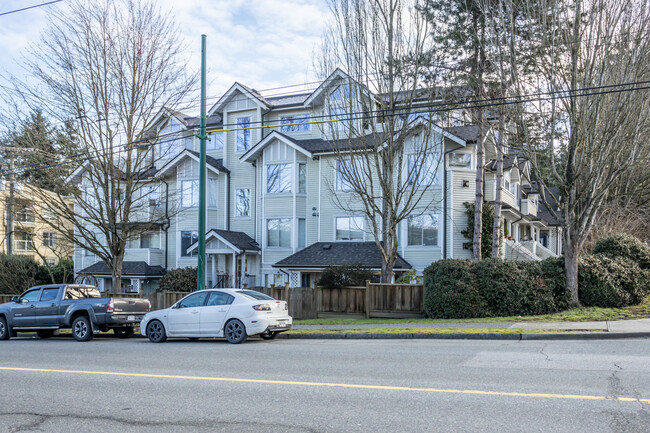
{"points": [[281, 324], [130, 318]]}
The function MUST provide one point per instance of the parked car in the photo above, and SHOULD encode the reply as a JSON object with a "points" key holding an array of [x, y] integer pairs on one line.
{"points": [[234, 314], [45, 309]]}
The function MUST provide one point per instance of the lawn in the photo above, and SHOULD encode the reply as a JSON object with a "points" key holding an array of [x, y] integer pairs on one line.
{"points": [[591, 314], [384, 331]]}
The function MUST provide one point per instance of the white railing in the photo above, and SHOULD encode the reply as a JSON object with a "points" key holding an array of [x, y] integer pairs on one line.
{"points": [[528, 207], [517, 251]]}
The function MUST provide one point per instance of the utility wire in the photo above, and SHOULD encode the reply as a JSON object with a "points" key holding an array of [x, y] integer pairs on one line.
{"points": [[395, 112], [29, 7]]}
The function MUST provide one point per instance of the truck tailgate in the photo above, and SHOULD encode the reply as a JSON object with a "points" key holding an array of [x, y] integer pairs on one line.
{"points": [[130, 306]]}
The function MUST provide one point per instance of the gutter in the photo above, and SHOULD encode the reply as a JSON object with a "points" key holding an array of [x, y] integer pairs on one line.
{"points": [[228, 201], [444, 199], [166, 223]]}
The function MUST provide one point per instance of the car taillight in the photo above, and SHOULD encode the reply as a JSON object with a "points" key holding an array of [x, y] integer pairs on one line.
{"points": [[262, 307], [286, 306], [111, 306]]}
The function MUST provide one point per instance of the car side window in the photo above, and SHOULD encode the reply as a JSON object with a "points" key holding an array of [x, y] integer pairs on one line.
{"points": [[196, 300], [31, 296], [220, 298], [49, 294]]}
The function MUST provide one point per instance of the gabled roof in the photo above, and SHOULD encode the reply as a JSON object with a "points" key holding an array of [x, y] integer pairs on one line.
{"points": [[326, 85], [129, 269], [323, 254], [254, 152], [213, 164], [239, 242], [251, 93], [288, 101], [469, 133]]}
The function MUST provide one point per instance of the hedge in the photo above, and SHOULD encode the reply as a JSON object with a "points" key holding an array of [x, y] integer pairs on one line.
{"points": [[626, 246], [611, 282], [19, 273], [336, 277], [179, 280]]}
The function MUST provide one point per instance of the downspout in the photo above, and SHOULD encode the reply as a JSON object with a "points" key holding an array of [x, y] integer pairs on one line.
{"points": [[228, 200], [166, 223], [444, 199]]}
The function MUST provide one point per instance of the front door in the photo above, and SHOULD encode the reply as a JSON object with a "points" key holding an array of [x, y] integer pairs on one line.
{"points": [[23, 310], [47, 308], [214, 313], [184, 318]]}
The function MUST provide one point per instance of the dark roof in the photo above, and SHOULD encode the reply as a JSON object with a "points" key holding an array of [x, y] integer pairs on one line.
{"points": [[530, 189], [544, 213], [239, 239], [214, 162], [508, 161], [128, 269], [324, 254], [318, 145], [469, 133], [284, 101]]}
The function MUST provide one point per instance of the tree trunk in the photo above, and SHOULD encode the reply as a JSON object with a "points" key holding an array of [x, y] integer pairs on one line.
{"points": [[116, 276], [571, 272], [478, 204], [496, 226]]}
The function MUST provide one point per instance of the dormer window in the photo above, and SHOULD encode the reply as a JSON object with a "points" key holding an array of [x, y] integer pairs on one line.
{"points": [[295, 123]]}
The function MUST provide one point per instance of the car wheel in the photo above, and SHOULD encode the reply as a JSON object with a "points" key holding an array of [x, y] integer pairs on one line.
{"points": [[81, 329], [156, 332], [45, 333], [4, 329], [269, 335], [123, 332], [235, 332]]}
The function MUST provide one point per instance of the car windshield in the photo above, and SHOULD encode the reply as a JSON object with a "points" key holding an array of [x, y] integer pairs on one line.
{"points": [[256, 295]]}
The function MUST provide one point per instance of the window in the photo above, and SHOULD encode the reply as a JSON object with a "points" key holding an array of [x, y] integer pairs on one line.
{"points": [[216, 141], [460, 160], [187, 239], [295, 123], [189, 193], [305, 280], [278, 233], [302, 232], [423, 230], [349, 228], [346, 171], [422, 170], [242, 202], [195, 300], [337, 94], [49, 213], [168, 140], [189, 142], [31, 296], [342, 114], [49, 239], [513, 188], [49, 294], [78, 292], [219, 298], [212, 192], [149, 240], [50, 262], [278, 178], [243, 135], [150, 194], [302, 178]]}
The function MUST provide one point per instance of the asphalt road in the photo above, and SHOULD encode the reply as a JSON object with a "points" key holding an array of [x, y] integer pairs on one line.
{"points": [[324, 386]]}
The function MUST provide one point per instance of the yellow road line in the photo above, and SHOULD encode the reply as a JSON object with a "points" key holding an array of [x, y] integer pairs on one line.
{"points": [[335, 385]]}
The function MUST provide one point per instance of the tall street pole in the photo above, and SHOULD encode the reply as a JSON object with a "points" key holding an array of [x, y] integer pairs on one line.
{"points": [[10, 207], [202, 176]]}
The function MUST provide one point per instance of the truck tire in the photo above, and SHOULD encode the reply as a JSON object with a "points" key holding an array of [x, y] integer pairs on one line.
{"points": [[82, 329], [123, 332], [4, 329], [45, 333]]}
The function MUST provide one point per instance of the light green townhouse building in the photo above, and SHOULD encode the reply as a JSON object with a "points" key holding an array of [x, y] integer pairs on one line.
{"points": [[274, 194]]}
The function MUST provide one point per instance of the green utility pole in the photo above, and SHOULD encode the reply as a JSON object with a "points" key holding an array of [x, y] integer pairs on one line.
{"points": [[202, 176]]}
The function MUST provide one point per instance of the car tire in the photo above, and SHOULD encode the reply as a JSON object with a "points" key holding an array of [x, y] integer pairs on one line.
{"points": [[123, 332], [156, 331], [82, 330], [45, 333], [4, 329], [269, 335], [235, 332]]}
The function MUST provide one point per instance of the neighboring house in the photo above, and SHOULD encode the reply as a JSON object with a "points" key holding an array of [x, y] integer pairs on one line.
{"points": [[32, 236], [271, 214]]}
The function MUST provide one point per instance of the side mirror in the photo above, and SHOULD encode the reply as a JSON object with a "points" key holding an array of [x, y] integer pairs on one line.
{"points": [[15, 299]]}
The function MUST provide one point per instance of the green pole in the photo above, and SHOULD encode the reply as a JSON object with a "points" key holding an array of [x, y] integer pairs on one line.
{"points": [[202, 177]]}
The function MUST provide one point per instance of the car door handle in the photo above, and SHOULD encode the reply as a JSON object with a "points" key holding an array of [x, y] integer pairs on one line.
{"points": [[195, 312], [53, 305], [32, 306], [223, 310]]}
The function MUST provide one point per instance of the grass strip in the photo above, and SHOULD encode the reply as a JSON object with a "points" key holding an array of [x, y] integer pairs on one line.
{"points": [[435, 331]]}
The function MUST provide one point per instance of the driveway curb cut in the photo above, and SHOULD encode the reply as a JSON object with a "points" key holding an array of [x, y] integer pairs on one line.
{"points": [[467, 336]]}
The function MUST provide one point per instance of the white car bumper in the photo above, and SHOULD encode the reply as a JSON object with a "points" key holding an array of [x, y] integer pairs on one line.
{"points": [[257, 325]]}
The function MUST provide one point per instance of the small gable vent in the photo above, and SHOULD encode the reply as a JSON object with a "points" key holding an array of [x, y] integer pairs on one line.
{"points": [[327, 246]]}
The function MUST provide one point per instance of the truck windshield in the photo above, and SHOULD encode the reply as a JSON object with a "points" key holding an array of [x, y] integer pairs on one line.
{"points": [[82, 292]]}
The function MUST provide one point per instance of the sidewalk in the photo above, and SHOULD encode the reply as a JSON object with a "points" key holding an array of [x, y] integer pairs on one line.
{"points": [[565, 330]]}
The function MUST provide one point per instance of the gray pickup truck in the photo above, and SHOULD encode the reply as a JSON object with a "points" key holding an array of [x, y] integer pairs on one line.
{"points": [[45, 309]]}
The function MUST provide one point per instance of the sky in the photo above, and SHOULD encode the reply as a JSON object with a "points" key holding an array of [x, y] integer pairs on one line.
{"points": [[262, 44]]}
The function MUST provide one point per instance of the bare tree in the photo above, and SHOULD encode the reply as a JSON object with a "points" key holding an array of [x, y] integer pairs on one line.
{"points": [[386, 155], [110, 66], [590, 58]]}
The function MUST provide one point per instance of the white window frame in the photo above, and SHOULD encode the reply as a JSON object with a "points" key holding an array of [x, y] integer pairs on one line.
{"points": [[460, 167], [436, 219], [193, 200], [244, 134], [350, 218], [279, 243], [281, 167], [288, 123], [181, 251], [49, 239], [247, 198]]}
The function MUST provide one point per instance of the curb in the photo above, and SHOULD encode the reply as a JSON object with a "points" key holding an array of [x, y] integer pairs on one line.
{"points": [[468, 336]]}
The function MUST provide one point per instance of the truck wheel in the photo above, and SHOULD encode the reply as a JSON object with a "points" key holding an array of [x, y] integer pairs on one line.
{"points": [[4, 329], [45, 333], [123, 332], [156, 332], [81, 329], [235, 332]]}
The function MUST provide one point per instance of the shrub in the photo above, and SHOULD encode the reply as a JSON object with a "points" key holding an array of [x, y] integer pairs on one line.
{"points": [[451, 291], [487, 227], [554, 277], [336, 277], [17, 274], [621, 245], [611, 282], [179, 280]]}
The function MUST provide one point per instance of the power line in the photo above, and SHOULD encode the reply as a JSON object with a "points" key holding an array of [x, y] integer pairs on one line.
{"points": [[29, 7], [485, 103]]}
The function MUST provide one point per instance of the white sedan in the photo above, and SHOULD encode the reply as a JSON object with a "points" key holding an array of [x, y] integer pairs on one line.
{"points": [[234, 314]]}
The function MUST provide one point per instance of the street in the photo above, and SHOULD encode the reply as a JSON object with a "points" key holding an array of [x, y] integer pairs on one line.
{"points": [[324, 385]]}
